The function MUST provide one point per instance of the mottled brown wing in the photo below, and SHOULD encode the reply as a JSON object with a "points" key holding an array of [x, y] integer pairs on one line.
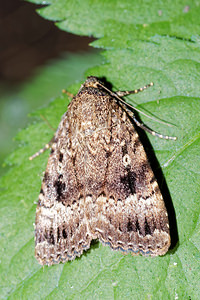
{"points": [[129, 214], [98, 184], [61, 231]]}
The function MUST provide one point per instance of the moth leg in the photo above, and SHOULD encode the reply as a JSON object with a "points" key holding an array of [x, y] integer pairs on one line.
{"points": [[120, 94], [47, 146], [67, 93], [145, 128], [125, 93]]}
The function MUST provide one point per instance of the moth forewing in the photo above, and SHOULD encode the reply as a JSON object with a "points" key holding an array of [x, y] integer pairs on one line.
{"points": [[98, 184]]}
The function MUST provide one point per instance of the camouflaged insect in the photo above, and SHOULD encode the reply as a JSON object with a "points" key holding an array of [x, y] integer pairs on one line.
{"points": [[98, 184]]}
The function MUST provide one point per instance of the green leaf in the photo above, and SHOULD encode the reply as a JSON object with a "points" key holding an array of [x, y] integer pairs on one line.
{"points": [[150, 41], [130, 18]]}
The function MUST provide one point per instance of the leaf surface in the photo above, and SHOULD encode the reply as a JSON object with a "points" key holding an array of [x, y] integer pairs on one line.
{"points": [[143, 42]]}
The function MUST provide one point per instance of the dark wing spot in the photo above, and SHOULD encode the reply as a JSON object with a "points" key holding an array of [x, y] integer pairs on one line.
{"points": [[60, 188], [144, 167], [88, 195], [157, 190], [136, 144], [64, 234], [137, 226], [147, 227], [71, 231], [58, 233], [153, 179], [49, 237], [132, 181], [74, 160], [103, 194], [46, 176], [108, 154], [142, 172], [128, 182], [124, 150], [129, 226], [60, 157]]}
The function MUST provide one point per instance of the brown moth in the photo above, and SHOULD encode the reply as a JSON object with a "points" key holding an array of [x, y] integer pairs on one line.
{"points": [[98, 183]]}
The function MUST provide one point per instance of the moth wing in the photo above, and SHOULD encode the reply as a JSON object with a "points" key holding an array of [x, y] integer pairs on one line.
{"points": [[61, 231], [130, 213]]}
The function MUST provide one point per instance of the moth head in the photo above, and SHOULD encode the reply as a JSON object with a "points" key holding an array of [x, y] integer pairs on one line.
{"points": [[92, 81]]}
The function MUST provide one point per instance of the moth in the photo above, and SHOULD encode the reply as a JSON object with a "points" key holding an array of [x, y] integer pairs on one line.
{"points": [[98, 183]]}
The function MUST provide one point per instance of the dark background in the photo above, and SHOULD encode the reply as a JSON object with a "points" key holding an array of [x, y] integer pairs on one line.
{"points": [[28, 42]]}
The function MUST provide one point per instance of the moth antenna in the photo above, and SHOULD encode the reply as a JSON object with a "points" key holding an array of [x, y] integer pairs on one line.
{"points": [[121, 93], [154, 133], [47, 146], [125, 93]]}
